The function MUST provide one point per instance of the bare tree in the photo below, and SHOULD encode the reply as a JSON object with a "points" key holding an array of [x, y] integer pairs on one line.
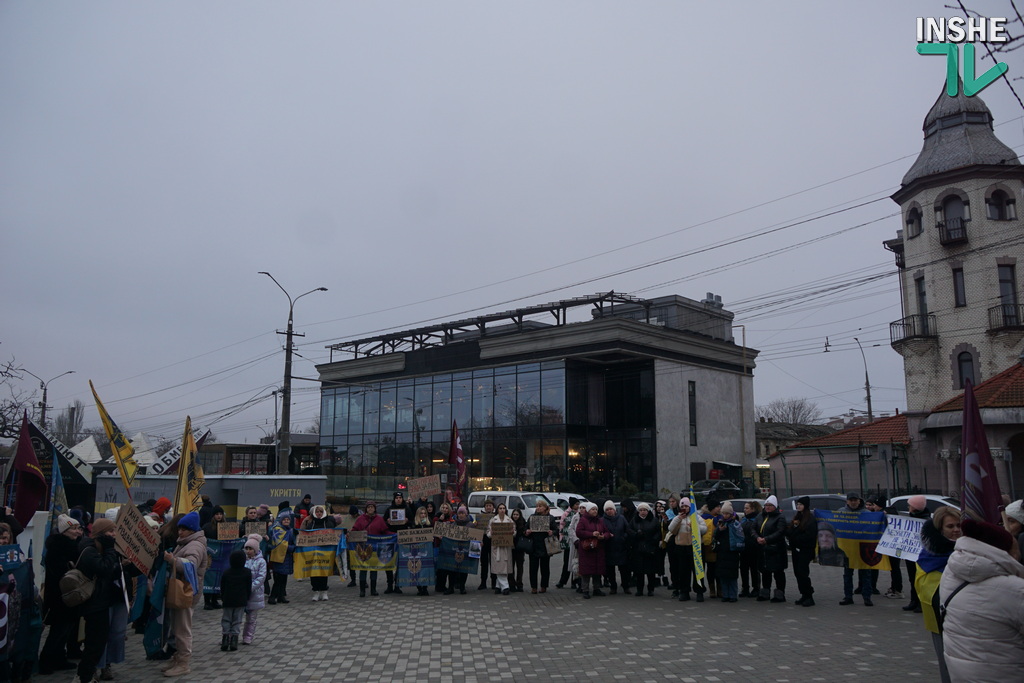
{"points": [[13, 401], [790, 411], [314, 428], [69, 424]]}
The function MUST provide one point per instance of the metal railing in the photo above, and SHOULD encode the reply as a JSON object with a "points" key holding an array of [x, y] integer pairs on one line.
{"points": [[913, 326], [952, 231], [1005, 316]]}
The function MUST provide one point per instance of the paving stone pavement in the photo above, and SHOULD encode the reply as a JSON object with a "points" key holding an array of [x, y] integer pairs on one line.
{"points": [[483, 638]]}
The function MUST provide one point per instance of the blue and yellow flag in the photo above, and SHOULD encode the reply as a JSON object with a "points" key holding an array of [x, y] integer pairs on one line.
{"points": [[121, 448], [58, 496], [190, 474], [698, 556]]}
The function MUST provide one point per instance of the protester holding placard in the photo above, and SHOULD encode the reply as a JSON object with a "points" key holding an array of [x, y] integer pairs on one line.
{"points": [[854, 503], [210, 530], [500, 557], [318, 519], [454, 579], [398, 516], [519, 546], [938, 539], [917, 507], [422, 522], [482, 522], [374, 525], [444, 515], [281, 555]]}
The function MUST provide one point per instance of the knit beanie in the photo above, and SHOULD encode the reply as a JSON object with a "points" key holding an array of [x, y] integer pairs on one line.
{"points": [[608, 505], [100, 527], [771, 500], [727, 509], [64, 522], [162, 506], [253, 541], [917, 502], [190, 521], [1016, 510]]}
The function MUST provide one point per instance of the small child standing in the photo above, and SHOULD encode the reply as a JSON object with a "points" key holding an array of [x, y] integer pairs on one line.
{"points": [[235, 588], [258, 567]]}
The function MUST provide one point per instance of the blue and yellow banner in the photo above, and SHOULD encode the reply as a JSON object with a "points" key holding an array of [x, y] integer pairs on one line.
{"points": [[220, 561], [314, 560], [376, 553], [695, 539], [156, 630], [850, 539], [415, 564], [454, 557], [120, 447]]}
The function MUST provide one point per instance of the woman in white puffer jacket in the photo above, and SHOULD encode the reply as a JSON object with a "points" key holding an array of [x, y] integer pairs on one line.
{"points": [[983, 633]]}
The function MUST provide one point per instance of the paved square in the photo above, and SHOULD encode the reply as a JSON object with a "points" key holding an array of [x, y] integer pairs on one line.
{"points": [[482, 638]]}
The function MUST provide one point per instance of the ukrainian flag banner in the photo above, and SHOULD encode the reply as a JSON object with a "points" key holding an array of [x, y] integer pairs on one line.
{"points": [[190, 474], [698, 555], [850, 539], [119, 445]]}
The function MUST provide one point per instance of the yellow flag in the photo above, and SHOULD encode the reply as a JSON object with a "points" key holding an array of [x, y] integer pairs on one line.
{"points": [[119, 445], [190, 474]]}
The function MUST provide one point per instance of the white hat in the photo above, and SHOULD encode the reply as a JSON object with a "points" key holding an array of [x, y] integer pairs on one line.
{"points": [[64, 522], [608, 505], [772, 500], [643, 506], [111, 514], [1016, 510]]}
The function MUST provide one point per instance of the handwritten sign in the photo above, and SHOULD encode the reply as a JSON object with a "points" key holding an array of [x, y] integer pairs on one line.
{"points": [[540, 523], [424, 487], [135, 539], [458, 533], [483, 519], [255, 528], [227, 531], [407, 536], [502, 534], [396, 516], [307, 539], [356, 536], [902, 538]]}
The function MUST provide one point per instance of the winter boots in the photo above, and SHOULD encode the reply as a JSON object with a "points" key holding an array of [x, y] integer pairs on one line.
{"points": [[780, 596]]}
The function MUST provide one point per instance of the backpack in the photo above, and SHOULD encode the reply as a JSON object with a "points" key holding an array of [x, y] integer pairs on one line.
{"points": [[940, 613], [75, 586]]}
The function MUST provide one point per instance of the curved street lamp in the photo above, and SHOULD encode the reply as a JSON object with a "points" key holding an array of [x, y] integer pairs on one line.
{"points": [[43, 385], [284, 440], [867, 382]]}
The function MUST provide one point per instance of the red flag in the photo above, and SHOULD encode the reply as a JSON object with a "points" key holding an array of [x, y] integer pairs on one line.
{"points": [[26, 481], [457, 458], [981, 499]]}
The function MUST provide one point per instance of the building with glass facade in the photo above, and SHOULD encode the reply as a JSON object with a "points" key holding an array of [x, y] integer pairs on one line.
{"points": [[646, 392]]}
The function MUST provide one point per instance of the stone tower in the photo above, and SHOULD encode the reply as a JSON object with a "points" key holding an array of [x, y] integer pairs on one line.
{"points": [[958, 254]]}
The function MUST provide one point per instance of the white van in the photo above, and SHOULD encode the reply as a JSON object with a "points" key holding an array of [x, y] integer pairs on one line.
{"points": [[562, 500], [521, 500]]}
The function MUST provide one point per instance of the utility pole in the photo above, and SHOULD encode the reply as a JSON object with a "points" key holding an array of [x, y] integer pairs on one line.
{"points": [[284, 442], [867, 382], [44, 385]]}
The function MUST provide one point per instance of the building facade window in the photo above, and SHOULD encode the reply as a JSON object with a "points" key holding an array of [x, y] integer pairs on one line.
{"points": [[1001, 207], [913, 222], [922, 297], [965, 368], [1008, 295], [959, 291], [691, 392]]}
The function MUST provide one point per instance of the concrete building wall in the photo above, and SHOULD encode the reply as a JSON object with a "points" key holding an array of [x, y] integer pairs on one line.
{"points": [[725, 420], [931, 372]]}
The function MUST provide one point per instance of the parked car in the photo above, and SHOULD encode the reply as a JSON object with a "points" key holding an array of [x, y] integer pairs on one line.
{"points": [[899, 503], [561, 500], [819, 501], [521, 500], [738, 503], [723, 489]]}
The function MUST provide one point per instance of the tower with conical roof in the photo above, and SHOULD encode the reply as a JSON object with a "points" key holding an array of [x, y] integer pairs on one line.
{"points": [[959, 255]]}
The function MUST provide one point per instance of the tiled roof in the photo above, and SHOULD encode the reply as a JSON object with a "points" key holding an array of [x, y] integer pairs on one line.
{"points": [[886, 430], [1005, 390]]}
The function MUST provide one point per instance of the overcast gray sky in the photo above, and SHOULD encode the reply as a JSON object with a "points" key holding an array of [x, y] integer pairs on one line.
{"points": [[424, 160]]}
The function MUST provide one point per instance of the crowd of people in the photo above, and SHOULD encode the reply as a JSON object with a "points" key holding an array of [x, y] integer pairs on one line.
{"points": [[971, 572]]}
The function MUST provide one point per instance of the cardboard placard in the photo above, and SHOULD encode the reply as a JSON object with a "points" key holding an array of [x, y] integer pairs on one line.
{"points": [[540, 523], [502, 534], [396, 516], [256, 528], [424, 487], [227, 531], [458, 533], [318, 537], [135, 539], [406, 536], [10, 557], [356, 536], [483, 519]]}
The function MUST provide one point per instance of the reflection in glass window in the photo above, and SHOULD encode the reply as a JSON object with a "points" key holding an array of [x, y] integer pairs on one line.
{"points": [[371, 411], [553, 396], [483, 401], [443, 405], [528, 398], [462, 401]]}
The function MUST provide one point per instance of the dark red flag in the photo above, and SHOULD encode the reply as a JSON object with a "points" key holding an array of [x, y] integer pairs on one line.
{"points": [[26, 480], [981, 499], [457, 458]]}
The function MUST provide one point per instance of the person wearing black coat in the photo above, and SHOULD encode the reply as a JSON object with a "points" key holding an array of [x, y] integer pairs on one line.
{"points": [[100, 562], [772, 561], [235, 591], [749, 573], [210, 600], [61, 554], [615, 554], [646, 533], [803, 538]]}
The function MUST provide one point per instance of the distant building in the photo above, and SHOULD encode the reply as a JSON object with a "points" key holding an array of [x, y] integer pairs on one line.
{"points": [[773, 436], [646, 391]]}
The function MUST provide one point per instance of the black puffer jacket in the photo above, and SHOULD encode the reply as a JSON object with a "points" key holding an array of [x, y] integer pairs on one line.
{"points": [[61, 554], [105, 567], [772, 557]]}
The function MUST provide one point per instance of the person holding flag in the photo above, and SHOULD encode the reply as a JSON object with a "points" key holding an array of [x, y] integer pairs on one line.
{"points": [[681, 533]]}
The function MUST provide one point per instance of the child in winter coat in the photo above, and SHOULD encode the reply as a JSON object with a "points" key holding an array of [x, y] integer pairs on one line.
{"points": [[235, 589], [258, 566]]}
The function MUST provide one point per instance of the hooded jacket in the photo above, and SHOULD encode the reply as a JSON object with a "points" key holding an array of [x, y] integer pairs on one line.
{"points": [[935, 552], [983, 633]]}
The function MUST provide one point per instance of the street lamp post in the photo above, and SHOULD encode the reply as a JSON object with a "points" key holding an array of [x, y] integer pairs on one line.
{"points": [[867, 382], [285, 442], [43, 385]]}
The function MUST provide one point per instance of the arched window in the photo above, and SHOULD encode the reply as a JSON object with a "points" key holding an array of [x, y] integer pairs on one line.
{"points": [[1001, 207], [913, 222], [954, 208], [965, 368]]}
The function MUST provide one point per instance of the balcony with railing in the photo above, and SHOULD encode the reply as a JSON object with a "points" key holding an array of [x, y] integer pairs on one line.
{"points": [[1006, 317], [912, 327], [952, 231]]}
